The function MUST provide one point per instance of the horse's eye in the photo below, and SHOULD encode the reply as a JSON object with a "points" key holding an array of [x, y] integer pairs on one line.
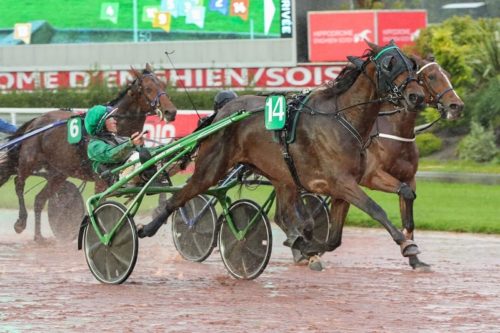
{"points": [[432, 77]]}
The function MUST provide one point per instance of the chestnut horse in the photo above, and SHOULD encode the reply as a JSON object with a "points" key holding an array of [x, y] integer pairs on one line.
{"points": [[393, 155], [328, 153], [51, 152]]}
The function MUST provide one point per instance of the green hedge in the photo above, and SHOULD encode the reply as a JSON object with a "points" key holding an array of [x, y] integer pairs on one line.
{"points": [[428, 143], [98, 94], [479, 146]]}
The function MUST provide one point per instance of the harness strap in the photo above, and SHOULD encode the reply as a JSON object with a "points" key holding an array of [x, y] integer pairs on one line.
{"points": [[289, 160], [395, 137], [439, 96], [420, 129], [425, 66], [347, 125]]}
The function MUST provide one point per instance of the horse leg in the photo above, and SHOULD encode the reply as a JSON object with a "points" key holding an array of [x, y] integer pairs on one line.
{"points": [[298, 257], [294, 219], [52, 186], [382, 181], [20, 224], [406, 209], [338, 213], [211, 166], [352, 193]]}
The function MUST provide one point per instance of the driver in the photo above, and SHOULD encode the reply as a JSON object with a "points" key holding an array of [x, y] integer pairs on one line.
{"points": [[107, 150], [222, 98]]}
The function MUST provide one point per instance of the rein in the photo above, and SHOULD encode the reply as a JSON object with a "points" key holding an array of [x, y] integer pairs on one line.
{"points": [[393, 96]]}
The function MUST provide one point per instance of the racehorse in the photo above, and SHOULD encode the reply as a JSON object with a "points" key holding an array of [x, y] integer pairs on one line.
{"points": [[329, 149], [392, 156], [50, 150]]}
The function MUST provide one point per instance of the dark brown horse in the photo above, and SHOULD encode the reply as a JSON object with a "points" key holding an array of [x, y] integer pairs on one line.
{"points": [[329, 151], [51, 152], [392, 156]]}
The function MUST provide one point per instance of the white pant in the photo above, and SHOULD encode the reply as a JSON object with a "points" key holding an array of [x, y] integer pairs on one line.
{"points": [[128, 170]]}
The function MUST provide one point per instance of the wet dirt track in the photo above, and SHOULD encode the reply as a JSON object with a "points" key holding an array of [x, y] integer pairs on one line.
{"points": [[367, 287]]}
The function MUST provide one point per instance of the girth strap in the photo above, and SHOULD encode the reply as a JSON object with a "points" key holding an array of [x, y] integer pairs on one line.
{"points": [[289, 160]]}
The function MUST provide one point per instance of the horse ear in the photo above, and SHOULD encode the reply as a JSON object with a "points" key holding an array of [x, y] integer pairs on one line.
{"points": [[416, 60], [358, 62], [373, 46], [430, 57], [149, 68], [135, 72]]}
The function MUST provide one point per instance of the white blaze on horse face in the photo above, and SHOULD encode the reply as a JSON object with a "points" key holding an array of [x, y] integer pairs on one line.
{"points": [[449, 115]]}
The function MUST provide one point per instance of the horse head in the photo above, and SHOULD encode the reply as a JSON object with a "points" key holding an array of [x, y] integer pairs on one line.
{"points": [[153, 91], [438, 88], [396, 76]]}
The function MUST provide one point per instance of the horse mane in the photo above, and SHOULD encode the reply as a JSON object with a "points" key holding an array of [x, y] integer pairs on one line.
{"points": [[20, 130], [127, 88], [346, 77], [120, 95]]}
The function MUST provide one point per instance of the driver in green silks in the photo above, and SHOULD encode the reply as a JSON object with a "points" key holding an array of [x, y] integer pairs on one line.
{"points": [[107, 150]]}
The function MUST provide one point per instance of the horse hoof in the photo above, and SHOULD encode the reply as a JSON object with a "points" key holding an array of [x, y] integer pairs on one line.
{"points": [[409, 248], [419, 266], [40, 239], [140, 230], [423, 268], [315, 264], [299, 258], [19, 226]]}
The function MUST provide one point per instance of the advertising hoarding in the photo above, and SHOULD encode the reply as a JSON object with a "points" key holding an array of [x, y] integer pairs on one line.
{"points": [[334, 35], [298, 77]]}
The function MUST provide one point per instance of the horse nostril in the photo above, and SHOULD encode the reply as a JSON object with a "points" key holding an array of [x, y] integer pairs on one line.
{"points": [[456, 107], [416, 99]]}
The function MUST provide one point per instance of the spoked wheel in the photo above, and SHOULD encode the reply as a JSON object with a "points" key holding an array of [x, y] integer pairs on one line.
{"points": [[246, 258], [65, 212], [194, 229], [114, 262], [318, 209]]}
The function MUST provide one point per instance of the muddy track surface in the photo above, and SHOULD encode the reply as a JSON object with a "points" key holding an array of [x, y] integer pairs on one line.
{"points": [[366, 287]]}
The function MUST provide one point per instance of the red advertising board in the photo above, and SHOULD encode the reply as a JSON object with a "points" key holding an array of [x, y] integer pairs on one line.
{"points": [[401, 26], [161, 132], [334, 35], [297, 77]]}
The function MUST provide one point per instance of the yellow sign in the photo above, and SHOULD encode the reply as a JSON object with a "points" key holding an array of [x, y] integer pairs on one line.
{"points": [[162, 20], [22, 31]]}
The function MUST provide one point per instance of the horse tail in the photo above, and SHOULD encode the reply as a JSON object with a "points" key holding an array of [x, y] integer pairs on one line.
{"points": [[9, 161]]}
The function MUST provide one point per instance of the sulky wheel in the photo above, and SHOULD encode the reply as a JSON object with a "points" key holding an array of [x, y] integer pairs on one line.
{"points": [[65, 212], [318, 209], [246, 258], [194, 229], [114, 262]]}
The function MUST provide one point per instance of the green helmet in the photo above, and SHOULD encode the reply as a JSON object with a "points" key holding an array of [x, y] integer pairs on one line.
{"points": [[95, 119]]}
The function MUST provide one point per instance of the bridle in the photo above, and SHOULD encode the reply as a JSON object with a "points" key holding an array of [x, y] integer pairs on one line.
{"points": [[393, 92], [154, 103], [434, 100]]}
